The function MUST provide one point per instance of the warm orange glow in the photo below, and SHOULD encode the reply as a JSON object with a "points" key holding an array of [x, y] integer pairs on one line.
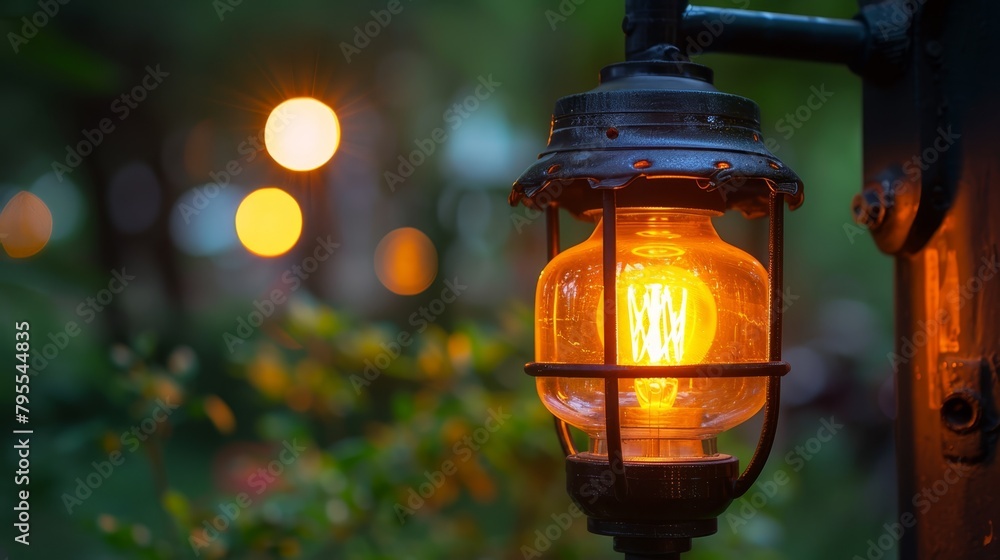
{"points": [[25, 225], [683, 297], [302, 133], [671, 318], [268, 222], [406, 261]]}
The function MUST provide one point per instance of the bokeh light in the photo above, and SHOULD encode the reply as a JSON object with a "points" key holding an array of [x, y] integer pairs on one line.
{"points": [[64, 200], [268, 222], [25, 225], [406, 261], [302, 133], [201, 222]]}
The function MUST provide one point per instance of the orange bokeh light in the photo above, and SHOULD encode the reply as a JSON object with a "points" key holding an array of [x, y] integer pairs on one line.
{"points": [[406, 261], [25, 225]]}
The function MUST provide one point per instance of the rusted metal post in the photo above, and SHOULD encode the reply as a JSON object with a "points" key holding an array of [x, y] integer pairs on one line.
{"points": [[932, 198]]}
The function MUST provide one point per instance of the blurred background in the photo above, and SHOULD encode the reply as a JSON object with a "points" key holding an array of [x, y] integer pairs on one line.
{"points": [[193, 397]]}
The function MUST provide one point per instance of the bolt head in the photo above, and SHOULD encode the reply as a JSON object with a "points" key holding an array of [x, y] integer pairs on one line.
{"points": [[869, 209]]}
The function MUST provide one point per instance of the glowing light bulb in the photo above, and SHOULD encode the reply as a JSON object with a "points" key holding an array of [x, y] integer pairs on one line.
{"points": [[268, 222], [302, 133], [667, 317], [683, 296]]}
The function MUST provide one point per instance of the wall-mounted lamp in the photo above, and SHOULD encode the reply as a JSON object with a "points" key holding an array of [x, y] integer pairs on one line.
{"points": [[653, 336]]}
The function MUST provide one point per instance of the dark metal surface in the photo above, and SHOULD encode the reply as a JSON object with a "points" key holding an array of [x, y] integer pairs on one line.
{"points": [[947, 280], [663, 498], [661, 134], [651, 25], [612, 417], [874, 44], [770, 34]]}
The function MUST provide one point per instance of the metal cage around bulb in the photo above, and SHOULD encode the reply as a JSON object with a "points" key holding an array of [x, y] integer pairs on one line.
{"points": [[656, 133]]}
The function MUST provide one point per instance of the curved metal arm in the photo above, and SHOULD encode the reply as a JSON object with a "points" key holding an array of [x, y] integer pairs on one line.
{"points": [[756, 464], [565, 437], [775, 264]]}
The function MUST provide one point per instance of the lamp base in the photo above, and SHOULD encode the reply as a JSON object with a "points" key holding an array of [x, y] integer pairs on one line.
{"points": [[660, 541], [652, 509]]}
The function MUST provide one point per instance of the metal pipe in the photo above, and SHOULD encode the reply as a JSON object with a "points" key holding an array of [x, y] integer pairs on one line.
{"points": [[650, 25], [841, 41]]}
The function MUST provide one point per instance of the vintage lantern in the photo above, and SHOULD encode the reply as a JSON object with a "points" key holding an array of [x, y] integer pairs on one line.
{"points": [[653, 336]]}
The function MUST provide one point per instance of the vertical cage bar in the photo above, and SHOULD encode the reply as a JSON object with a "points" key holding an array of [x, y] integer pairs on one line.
{"points": [[552, 245], [612, 418], [776, 234], [775, 252], [552, 229]]}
